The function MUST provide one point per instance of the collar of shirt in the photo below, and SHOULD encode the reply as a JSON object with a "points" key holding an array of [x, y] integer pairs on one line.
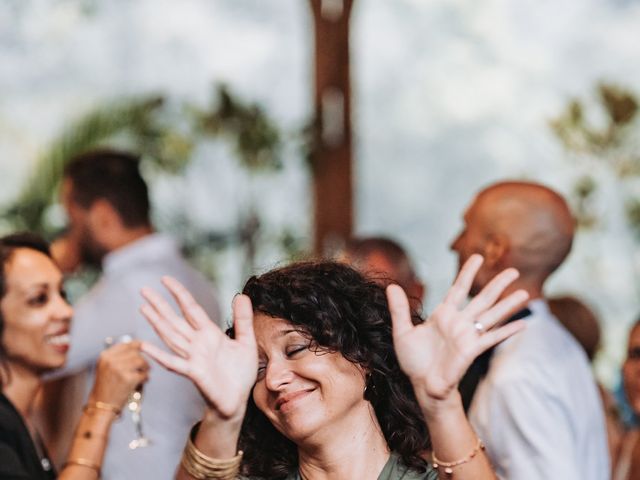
{"points": [[152, 247], [539, 312], [539, 307]]}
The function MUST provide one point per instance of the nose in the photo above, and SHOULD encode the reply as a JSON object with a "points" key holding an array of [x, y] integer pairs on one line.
{"points": [[455, 244], [64, 311], [277, 375]]}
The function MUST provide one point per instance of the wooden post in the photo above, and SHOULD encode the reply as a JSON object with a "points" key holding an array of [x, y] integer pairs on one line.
{"points": [[332, 154]]}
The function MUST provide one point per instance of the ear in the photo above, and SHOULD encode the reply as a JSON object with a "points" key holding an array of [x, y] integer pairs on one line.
{"points": [[103, 216], [495, 250]]}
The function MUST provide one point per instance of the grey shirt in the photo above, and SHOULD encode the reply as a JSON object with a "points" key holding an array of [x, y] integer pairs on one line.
{"points": [[171, 404], [393, 470]]}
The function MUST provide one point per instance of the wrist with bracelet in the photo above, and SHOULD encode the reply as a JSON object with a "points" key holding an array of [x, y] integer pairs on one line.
{"points": [[83, 462], [449, 466], [103, 406], [203, 467]]}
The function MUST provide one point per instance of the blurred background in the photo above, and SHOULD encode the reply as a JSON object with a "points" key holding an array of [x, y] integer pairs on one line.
{"points": [[275, 128]]}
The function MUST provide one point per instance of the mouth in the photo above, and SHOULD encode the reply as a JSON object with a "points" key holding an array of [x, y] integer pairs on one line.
{"points": [[285, 401], [60, 341]]}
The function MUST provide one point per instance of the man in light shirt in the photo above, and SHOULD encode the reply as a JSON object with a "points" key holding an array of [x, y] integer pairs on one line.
{"points": [[537, 408], [107, 203]]}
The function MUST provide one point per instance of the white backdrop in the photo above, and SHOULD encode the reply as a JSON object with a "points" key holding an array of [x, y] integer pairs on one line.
{"points": [[448, 96]]}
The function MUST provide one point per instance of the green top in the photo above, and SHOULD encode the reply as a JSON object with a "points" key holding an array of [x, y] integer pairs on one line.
{"points": [[393, 470]]}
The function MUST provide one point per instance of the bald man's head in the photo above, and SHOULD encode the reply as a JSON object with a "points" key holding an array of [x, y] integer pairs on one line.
{"points": [[517, 224]]}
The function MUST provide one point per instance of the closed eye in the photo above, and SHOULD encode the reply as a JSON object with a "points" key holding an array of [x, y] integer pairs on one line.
{"points": [[296, 350]]}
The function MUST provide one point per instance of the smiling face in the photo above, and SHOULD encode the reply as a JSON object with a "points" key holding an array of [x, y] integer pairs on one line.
{"points": [[305, 393], [35, 313]]}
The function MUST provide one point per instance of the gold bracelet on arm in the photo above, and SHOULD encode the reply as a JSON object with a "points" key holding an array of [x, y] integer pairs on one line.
{"points": [[83, 462], [203, 467], [107, 407], [449, 466]]}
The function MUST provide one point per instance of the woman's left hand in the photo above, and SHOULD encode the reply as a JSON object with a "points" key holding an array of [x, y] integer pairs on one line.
{"points": [[437, 353], [121, 368]]}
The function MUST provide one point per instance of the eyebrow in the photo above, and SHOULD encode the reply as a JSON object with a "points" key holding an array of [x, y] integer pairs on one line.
{"points": [[39, 286], [284, 333]]}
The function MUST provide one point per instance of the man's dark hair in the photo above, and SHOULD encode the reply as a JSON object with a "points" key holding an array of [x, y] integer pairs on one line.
{"points": [[113, 176], [340, 311], [8, 245]]}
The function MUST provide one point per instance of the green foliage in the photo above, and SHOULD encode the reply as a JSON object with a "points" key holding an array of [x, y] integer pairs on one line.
{"points": [[132, 116], [254, 135], [164, 135], [606, 133]]}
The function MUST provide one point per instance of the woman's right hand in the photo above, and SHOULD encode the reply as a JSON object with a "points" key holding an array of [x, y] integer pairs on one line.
{"points": [[223, 369], [120, 370]]}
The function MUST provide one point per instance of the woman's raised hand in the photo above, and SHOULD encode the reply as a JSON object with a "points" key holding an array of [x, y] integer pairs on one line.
{"points": [[436, 354], [223, 369]]}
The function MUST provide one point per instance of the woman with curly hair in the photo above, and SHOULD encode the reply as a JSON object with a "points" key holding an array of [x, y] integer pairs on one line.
{"points": [[326, 375]]}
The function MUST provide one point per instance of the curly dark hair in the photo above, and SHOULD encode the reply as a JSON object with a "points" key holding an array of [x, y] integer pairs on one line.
{"points": [[8, 245], [341, 311]]}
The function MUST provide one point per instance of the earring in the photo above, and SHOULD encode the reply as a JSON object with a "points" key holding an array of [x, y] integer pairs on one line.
{"points": [[369, 391]]}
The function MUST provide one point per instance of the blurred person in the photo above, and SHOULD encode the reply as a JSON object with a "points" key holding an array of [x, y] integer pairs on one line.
{"points": [[34, 325], [582, 323], [537, 408], [628, 465], [327, 376], [108, 207], [385, 261], [579, 320]]}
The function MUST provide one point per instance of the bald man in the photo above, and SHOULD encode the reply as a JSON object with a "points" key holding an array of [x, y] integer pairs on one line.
{"points": [[537, 408]]}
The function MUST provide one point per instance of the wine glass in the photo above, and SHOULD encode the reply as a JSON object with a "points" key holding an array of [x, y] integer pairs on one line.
{"points": [[134, 402]]}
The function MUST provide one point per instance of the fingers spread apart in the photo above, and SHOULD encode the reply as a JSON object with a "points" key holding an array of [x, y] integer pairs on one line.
{"points": [[243, 320], [491, 292], [399, 309], [192, 311], [459, 291], [170, 362]]}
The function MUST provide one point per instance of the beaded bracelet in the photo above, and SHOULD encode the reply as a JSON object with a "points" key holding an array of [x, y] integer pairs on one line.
{"points": [[449, 466]]}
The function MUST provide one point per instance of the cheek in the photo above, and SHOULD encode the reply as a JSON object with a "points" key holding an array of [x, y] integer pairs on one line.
{"points": [[18, 340], [343, 381], [26, 332]]}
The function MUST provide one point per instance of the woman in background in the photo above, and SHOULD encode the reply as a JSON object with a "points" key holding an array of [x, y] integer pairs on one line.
{"points": [[34, 326]]}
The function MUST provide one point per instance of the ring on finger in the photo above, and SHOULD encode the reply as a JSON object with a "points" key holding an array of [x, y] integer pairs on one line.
{"points": [[479, 327]]}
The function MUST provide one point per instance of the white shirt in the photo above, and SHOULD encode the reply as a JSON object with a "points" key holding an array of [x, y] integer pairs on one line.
{"points": [[171, 404], [538, 410]]}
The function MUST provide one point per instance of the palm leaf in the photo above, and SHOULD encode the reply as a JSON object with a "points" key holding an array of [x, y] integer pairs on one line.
{"points": [[132, 116]]}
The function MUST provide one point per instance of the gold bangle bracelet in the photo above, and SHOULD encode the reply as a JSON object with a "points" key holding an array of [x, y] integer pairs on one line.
{"points": [[203, 467], [83, 462], [107, 407], [449, 466]]}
